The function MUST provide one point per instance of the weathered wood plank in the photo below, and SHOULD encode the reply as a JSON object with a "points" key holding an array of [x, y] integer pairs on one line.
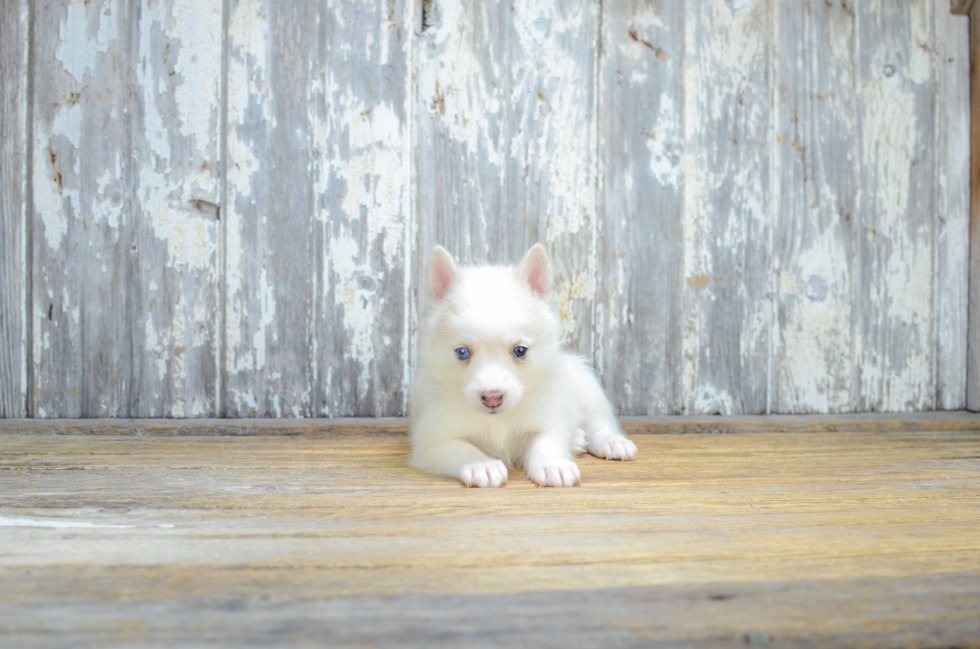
{"points": [[176, 149], [858, 327], [506, 139], [952, 184], [937, 610], [639, 308], [124, 182], [896, 229], [364, 220], [815, 268], [84, 245], [271, 264], [727, 104], [802, 540], [973, 344], [684, 182], [645, 208], [318, 205], [645, 425], [14, 275]]}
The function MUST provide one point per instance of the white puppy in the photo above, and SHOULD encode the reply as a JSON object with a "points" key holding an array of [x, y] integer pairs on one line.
{"points": [[494, 390]]}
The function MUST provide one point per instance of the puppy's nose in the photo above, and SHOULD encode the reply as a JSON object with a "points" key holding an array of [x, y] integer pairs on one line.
{"points": [[492, 399]]}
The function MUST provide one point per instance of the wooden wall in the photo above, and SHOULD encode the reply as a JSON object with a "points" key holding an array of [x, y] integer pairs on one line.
{"points": [[223, 208]]}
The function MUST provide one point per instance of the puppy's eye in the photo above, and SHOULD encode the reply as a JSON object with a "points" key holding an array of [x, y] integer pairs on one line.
{"points": [[462, 353], [520, 351]]}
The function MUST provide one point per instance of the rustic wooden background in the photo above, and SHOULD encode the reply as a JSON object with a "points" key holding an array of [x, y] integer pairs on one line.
{"points": [[223, 208]]}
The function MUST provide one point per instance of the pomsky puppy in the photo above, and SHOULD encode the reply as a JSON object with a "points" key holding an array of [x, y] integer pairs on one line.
{"points": [[494, 390]]}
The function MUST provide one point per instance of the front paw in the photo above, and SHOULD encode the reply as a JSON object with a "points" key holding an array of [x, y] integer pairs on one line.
{"points": [[611, 446], [557, 472], [484, 473]]}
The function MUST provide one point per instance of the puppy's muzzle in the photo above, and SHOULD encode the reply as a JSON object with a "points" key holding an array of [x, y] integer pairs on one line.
{"points": [[492, 399]]}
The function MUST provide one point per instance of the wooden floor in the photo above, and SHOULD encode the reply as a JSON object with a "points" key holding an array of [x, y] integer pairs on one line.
{"points": [[134, 534]]}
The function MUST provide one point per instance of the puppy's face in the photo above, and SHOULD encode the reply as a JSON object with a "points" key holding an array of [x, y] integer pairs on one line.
{"points": [[494, 339], [491, 373]]}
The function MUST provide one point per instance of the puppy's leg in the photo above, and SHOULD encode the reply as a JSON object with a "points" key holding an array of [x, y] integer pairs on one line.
{"points": [[604, 437], [549, 462], [458, 459], [611, 445]]}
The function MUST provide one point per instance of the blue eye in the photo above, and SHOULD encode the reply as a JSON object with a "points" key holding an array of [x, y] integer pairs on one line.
{"points": [[520, 351], [462, 353]]}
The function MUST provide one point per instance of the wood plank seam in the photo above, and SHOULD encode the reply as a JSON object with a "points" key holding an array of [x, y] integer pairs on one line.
{"points": [[29, 369], [773, 207], [594, 252], [952, 129], [221, 351], [410, 207], [382, 426], [936, 190], [973, 349]]}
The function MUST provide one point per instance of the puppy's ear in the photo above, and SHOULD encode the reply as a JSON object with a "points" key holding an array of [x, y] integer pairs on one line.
{"points": [[440, 275], [535, 269]]}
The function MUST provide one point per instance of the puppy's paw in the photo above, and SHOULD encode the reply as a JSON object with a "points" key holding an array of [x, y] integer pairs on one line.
{"points": [[580, 442], [484, 473], [611, 446], [556, 472]]}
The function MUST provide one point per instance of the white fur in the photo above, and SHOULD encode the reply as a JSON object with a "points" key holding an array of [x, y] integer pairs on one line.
{"points": [[553, 407]]}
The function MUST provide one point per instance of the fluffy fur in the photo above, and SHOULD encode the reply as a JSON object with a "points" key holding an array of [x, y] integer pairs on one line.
{"points": [[475, 418]]}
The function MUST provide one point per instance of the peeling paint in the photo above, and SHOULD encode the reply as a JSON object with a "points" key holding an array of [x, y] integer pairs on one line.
{"points": [[199, 66], [897, 360], [353, 297], [506, 133], [834, 285], [952, 128], [662, 141], [579, 286], [78, 51], [372, 171]]}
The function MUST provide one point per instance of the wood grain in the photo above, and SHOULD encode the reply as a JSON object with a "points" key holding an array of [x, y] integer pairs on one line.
{"points": [[176, 150], [883, 325], [753, 206], [271, 260], [727, 117], [505, 141], [364, 226], [125, 194], [952, 65], [175, 139], [640, 284], [819, 539], [318, 206], [13, 193], [895, 235], [84, 244], [973, 349], [815, 358], [645, 425]]}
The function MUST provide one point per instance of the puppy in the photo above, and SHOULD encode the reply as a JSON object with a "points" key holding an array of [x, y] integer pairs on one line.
{"points": [[494, 390]]}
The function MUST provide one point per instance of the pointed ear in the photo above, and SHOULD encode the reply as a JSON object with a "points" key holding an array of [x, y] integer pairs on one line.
{"points": [[440, 274], [535, 269]]}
